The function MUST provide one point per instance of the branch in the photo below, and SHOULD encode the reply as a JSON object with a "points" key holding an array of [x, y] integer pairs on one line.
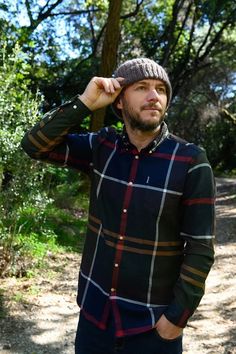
{"points": [[71, 74], [167, 35], [183, 25], [206, 38], [199, 62], [73, 13], [42, 15], [228, 21], [213, 42], [228, 115], [187, 56], [90, 20], [44, 7], [27, 5], [185, 75], [133, 13]]}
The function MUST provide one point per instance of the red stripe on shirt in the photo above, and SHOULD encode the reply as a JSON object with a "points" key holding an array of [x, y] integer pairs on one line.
{"points": [[199, 201], [61, 157], [93, 320], [176, 158], [130, 331]]}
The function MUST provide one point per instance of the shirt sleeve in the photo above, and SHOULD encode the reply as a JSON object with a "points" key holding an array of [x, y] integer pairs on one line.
{"points": [[197, 230], [54, 138]]}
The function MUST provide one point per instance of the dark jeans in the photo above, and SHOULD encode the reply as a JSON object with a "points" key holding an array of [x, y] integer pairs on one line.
{"points": [[92, 340]]}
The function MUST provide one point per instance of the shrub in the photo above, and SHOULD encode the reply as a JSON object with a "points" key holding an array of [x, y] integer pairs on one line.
{"points": [[20, 178]]}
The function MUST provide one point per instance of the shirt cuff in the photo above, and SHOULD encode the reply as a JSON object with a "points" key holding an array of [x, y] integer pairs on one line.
{"points": [[177, 315], [74, 109]]}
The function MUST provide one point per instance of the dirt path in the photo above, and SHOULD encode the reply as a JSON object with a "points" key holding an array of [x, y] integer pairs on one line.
{"points": [[40, 315]]}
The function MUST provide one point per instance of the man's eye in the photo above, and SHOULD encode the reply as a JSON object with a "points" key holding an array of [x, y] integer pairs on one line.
{"points": [[141, 88], [161, 89]]}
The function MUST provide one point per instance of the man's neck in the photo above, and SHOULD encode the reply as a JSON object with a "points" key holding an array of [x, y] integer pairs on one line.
{"points": [[141, 139]]}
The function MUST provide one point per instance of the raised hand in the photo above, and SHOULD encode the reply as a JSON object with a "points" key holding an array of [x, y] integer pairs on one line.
{"points": [[101, 92]]}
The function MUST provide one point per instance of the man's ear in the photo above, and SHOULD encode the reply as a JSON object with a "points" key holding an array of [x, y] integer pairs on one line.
{"points": [[119, 103]]}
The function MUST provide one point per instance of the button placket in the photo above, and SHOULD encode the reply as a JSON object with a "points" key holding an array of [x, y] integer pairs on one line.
{"points": [[124, 218]]}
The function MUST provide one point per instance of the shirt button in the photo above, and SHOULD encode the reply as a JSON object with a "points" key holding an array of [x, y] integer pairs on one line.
{"points": [[113, 289], [116, 265], [150, 152], [124, 210], [137, 157], [121, 238], [75, 106]]}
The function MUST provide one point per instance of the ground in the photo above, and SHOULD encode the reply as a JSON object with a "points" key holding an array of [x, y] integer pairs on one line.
{"points": [[40, 315]]}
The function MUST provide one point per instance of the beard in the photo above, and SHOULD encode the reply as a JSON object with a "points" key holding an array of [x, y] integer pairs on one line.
{"points": [[136, 122]]}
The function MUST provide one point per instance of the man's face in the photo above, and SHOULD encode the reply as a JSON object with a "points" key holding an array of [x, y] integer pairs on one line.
{"points": [[143, 104]]}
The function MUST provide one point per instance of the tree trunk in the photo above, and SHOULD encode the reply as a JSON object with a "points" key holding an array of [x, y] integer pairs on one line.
{"points": [[109, 54]]}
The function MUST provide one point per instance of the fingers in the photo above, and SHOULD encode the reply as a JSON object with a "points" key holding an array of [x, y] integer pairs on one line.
{"points": [[109, 85], [101, 91]]}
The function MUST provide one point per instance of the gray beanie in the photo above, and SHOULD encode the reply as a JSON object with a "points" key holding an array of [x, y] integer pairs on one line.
{"points": [[143, 68]]}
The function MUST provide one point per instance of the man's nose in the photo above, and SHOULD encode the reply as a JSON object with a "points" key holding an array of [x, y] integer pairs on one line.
{"points": [[152, 96]]}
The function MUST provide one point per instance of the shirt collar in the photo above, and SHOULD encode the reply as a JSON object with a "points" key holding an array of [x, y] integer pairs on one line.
{"points": [[152, 145]]}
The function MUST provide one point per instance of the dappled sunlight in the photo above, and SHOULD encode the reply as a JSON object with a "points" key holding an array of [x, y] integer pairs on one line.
{"points": [[212, 328], [57, 312], [42, 311]]}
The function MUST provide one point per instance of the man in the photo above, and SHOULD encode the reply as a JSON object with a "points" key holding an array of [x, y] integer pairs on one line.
{"points": [[149, 244]]}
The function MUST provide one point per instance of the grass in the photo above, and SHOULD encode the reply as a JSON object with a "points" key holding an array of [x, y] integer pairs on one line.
{"points": [[18, 297], [225, 174], [34, 290], [41, 231]]}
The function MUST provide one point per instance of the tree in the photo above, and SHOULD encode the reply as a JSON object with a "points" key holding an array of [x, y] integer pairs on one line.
{"points": [[182, 35], [109, 53], [204, 111]]}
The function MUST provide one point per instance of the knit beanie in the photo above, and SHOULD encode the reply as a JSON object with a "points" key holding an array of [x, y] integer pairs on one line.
{"points": [[140, 69]]}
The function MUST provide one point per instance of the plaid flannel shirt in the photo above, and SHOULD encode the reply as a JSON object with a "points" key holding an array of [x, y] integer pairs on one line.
{"points": [[149, 242]]}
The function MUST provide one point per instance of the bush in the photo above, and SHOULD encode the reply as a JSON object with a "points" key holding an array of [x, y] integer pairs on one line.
{"points": [[20, 178], [18, 111]]}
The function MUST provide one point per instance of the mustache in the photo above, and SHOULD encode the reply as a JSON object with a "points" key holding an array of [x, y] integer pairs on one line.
{"points": [[151, 105]]}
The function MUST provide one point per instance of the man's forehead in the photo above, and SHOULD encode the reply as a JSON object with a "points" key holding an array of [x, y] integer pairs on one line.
{"points": [[150, 82]]}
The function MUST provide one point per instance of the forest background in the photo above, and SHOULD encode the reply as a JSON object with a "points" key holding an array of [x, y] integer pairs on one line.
{"points": [[49, 50]]}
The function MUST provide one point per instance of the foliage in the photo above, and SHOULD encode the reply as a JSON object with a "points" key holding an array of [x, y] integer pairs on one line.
{"points": [[38, 232], [19, 177], [205, 110], [220, 145], [34, 218], [18, 111]]}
